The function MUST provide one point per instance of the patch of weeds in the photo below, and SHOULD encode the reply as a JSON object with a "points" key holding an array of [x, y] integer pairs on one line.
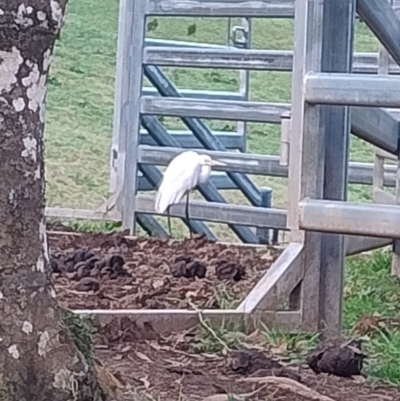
{"points": [[215, 339], [383, 348], [225, 300], [91, 226], [295, 346], [53, 81], [221, 78], [227, 127]]}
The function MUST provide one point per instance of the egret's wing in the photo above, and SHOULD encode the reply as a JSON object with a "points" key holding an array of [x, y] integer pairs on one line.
{"points": [[180, 176]]}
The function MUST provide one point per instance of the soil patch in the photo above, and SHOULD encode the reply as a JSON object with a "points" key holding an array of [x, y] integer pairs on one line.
{"points": [[101, 271], [166, 369]]}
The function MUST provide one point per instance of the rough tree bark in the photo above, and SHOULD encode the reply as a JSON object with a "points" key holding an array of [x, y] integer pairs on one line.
{"points": [[38, 360]]}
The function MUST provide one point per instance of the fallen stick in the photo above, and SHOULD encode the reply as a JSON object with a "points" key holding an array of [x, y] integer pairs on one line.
{"points": [[229, 397], [288, 384]]}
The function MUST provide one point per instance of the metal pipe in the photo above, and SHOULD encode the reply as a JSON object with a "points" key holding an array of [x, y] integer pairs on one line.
{"points": [[383, 22]]}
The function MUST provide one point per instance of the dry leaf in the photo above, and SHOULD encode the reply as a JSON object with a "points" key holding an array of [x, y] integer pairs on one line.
{"points": [[281, 350], [145, 382], [253, 346], [174, 363], [255, 335], [154, 345], [268, 256], [111, 385], [158, 283], [301, 344], [359, 379], [354, 349], [210, 356], [101, 346], [218, 397], [143, 357]]}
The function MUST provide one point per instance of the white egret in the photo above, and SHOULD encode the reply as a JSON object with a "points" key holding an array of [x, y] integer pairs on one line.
{"points": [[183, 174]]}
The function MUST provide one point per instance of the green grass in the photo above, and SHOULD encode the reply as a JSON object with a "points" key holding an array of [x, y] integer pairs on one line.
{"points": [[78, 139], [371, 291]]}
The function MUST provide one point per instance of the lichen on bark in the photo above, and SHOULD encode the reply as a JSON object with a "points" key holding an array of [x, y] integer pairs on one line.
{"points": [[81, 331]]}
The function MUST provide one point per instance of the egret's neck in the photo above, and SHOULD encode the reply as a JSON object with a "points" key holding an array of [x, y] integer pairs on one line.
{"points": [[204, 173]]}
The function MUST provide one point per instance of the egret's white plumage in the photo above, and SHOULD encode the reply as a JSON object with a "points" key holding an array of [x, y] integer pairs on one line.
{"points": [[183, 174]]}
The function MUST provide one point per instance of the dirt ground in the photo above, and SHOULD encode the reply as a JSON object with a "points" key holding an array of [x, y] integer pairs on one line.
{"points": [[109, 271], [166, 369]]}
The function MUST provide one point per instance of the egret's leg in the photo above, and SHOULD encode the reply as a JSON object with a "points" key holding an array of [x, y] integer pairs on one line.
{"points": [[187, 214], [169, 222]]}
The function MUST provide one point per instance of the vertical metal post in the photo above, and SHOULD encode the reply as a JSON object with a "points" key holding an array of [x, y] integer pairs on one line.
{"points": [[118, 88], [228, 32], [130, 128], [266, 201], [244, 82], [149, 223], [396, 243], [286, 124], [244, 75], [307, 148], [337, 53], [275, 236], [379, 162]]}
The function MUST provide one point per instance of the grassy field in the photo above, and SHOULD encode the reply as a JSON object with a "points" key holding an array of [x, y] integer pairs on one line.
{"points": [[79, 130]]}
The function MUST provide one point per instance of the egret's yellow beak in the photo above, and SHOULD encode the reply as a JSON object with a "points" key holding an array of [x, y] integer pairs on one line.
{"points": [[217, 163]]}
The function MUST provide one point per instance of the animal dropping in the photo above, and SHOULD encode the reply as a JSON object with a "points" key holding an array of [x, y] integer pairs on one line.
{"points": [[186, 267], [88, 284], [226, 270], [337, 358]]}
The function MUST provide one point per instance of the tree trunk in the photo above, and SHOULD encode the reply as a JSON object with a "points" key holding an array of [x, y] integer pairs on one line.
{"points": [[38, 359]]}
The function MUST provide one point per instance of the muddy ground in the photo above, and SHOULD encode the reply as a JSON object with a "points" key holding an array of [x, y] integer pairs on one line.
{"points": [[110, 271]]}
